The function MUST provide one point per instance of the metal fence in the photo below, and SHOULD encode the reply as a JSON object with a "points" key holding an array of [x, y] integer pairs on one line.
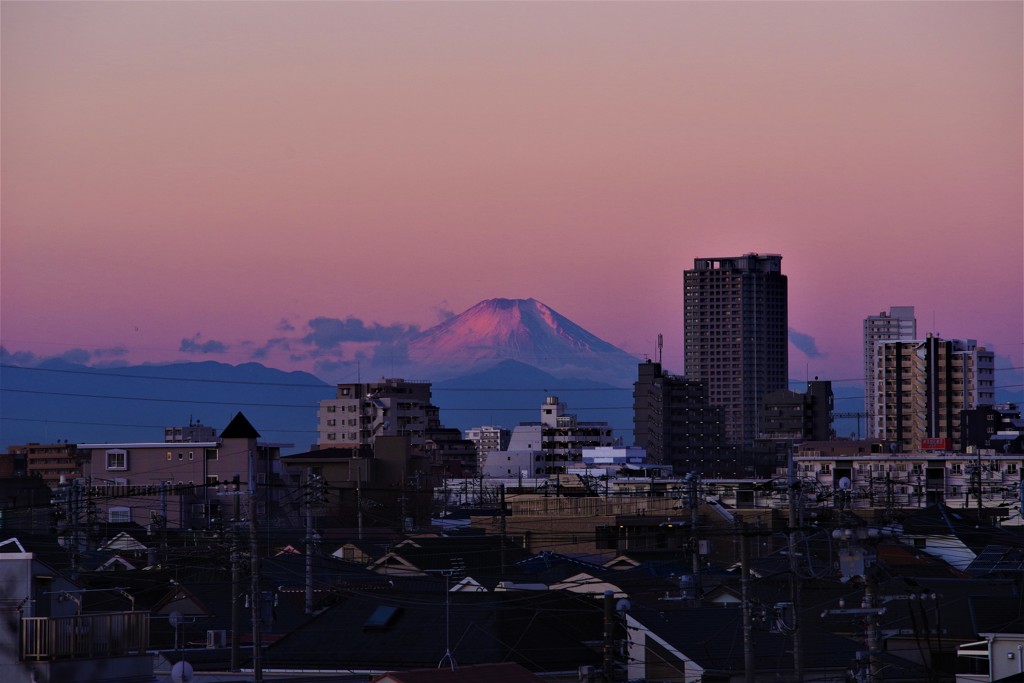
{"points": [[102, 634]]}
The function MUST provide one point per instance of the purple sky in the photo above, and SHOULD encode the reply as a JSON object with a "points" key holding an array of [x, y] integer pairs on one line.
{"points": [[189, 180]]}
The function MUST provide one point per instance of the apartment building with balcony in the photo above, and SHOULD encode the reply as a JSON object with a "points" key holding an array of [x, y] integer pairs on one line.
{"points": [[798, 416], [360, 412], [899, 324], [548, 447], [51, 462], [922, 386]]}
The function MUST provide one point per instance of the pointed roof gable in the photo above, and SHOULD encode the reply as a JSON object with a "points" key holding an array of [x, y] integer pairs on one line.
{"points": [[239, 428]]}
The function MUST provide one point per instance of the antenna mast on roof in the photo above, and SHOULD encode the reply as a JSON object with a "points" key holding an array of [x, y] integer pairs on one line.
{"points": [[661, 343]]}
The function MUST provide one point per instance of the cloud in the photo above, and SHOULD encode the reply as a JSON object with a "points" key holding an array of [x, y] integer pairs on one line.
{"points": [[442, 311], [805, 343], [77, 356], [262, 352], [285, 326], [193, 345], [113, 352], [26, 358], [330, 333]]}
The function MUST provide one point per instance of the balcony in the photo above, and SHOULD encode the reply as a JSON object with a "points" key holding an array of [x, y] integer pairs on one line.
{"points": [[86, 636]]}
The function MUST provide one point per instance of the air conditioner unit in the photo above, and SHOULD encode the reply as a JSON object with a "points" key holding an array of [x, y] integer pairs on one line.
{"points": [[218, 638]]}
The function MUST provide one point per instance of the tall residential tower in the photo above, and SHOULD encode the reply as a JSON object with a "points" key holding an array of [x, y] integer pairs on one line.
{"points": [[735, 324]]}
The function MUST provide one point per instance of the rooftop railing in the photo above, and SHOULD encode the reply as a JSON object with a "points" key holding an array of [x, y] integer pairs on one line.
{"points": [[102, 634]]}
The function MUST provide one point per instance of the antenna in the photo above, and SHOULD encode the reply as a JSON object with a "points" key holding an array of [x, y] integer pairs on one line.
{"points": [[661, 343]]}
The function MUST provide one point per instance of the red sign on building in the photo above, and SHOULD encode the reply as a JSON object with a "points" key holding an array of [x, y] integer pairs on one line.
{"points": [[943, 443]]}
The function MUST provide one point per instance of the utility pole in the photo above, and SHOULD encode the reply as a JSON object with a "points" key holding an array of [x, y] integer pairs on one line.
{"points": [[693, 479], [309, 540], [254, 600], [748, 638], [609, 637], [236, 581], [794, 579], [501, 490]]}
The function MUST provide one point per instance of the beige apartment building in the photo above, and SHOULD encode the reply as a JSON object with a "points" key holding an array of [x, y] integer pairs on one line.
{"points": [[921, 386]]}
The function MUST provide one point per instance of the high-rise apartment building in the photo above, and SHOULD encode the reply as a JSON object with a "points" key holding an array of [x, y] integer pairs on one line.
{"points": [[735, 324], [898, 325], [923, 385]]}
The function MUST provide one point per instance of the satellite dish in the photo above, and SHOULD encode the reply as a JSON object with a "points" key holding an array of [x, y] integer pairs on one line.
{"points": [[623, 605], [845, 484], [182, 672], [176, 619]]}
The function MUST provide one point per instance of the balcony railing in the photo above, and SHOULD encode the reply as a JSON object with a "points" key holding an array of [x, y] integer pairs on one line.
{"points": [[103, 634]]}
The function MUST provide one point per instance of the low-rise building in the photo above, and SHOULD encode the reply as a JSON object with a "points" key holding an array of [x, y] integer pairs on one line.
{"points": [[176, 484]]}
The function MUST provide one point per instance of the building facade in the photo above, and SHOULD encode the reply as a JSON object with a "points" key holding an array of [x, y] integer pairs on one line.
{"points": [[799, 416], [921, 387], [51, 462], [672, 419], [735, 321], [548, 447], [175, 484], [899, 324], [361, 412]]}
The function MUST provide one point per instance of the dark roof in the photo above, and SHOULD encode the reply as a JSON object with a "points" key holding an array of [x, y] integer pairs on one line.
{"points": [[543, 631], [332, 453], [505, 672], [239, 428]]}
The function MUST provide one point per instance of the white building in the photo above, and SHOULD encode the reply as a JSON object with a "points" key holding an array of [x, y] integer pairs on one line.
{"points": [[551, 446], [898, 324]]}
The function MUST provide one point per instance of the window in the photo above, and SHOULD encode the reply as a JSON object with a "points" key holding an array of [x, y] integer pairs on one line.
{"points": [[169, 455], [956, 468], [1011, 468], [331, 409], [117, 459], [211, 454], [119, 515], [191, 455], [332, 422], [332, 437]]}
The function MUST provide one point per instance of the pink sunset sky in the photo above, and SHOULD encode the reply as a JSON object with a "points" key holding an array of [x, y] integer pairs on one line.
{"points": [[189, 180]]}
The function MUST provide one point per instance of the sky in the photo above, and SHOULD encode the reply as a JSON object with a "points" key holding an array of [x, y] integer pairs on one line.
{"points": [[222, 180]]}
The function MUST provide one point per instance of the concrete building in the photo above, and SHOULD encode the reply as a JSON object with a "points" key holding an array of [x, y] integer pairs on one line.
{"points": [[548, 447], [51, 462], [194, 431], [361, 412], [177, 483], [899, 324], [907, 480], [673, 420], [798, 416], [488, 439], [923, 385], [735, 321]]}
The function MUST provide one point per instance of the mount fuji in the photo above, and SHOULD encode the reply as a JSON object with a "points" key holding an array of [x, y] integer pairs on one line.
{"points": [[523, 330]]}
